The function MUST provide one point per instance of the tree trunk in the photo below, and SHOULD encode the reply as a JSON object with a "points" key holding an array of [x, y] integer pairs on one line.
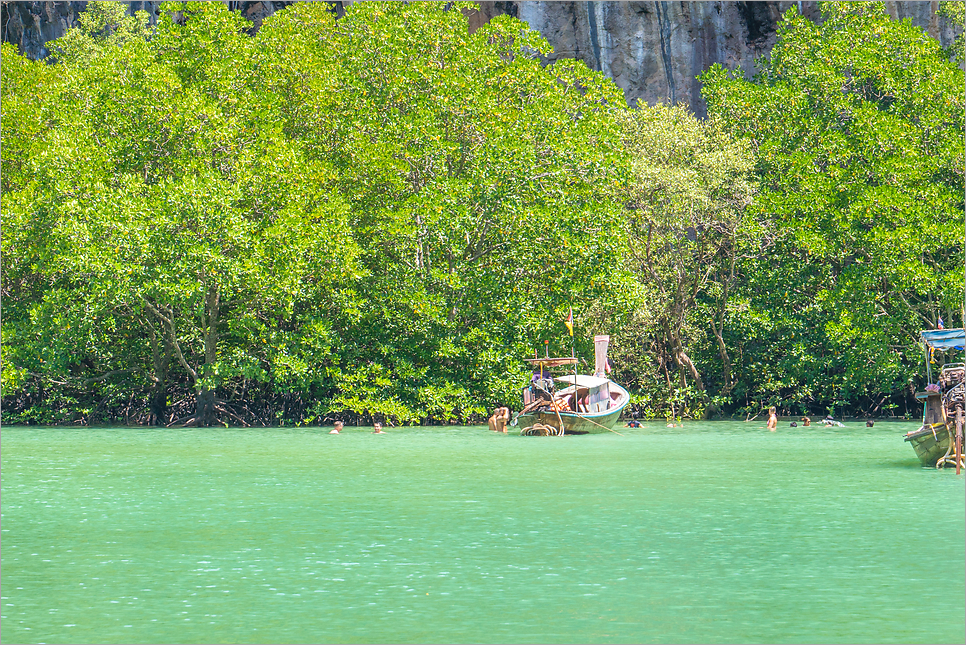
{"points": [[685, 365], [684, 361], [161, 352], [205, 393], [157, 403], [203, 382], [717, 326], [726, 384], [205, 410]]}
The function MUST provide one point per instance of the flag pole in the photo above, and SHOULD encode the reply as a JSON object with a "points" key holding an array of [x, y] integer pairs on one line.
{"points": [[573, 354]]}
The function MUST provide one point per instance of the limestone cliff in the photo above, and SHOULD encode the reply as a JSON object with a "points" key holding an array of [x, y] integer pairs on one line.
{"points": [[653, 50], [31, 25]]}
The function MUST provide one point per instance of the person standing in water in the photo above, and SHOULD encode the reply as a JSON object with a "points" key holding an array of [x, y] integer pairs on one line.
{"points": [[499, 420], [377, 428], [337, 429], [772, 419]]}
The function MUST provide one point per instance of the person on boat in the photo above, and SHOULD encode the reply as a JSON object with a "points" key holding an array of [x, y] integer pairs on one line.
{"points": [[541, 383], [377, 428], [337, 429], [772, 419], [499, 420], [633, 423], [806, 421]]}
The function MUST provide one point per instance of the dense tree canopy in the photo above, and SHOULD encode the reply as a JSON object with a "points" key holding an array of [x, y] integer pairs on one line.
{"points": [[857, 126], [688, 230], [378, 215]]}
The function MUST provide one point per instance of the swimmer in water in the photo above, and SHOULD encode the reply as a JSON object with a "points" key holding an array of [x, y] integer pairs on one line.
{"points": [[499, 420], [337, 429]]}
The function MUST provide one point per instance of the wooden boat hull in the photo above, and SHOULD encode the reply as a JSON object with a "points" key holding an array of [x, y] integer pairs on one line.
{"points": [[930, 447], [580, 423]]}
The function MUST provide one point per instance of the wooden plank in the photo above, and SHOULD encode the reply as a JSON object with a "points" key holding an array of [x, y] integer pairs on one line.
{"points": [[552, 362]]}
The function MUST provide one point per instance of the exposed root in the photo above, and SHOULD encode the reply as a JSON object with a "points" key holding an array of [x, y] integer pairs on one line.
{"points": [[185, 422], [232, 415]]}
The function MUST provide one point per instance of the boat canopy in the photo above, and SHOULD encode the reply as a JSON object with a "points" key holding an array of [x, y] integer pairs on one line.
{"points": [[583, 380], [551, 361], [942, 339]]}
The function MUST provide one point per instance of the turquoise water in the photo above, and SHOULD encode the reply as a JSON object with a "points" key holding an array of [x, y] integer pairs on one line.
{"points": [[715, 532]]}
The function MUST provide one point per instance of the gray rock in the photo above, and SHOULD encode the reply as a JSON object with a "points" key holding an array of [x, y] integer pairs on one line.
{"points": [[653, 50]]}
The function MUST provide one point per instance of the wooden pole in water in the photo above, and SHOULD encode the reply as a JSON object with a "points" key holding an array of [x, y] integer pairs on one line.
{"points": [[959, 438]]}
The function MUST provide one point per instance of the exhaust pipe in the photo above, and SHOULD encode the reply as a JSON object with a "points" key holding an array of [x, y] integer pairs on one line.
{"points": [[600, 356]]}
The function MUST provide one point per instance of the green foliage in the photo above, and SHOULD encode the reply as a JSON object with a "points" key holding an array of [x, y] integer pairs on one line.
{"points": [[379, 216], [482, 187], [857, 123], [178, 206], [955, 14], [688, 230], [382, 212]]}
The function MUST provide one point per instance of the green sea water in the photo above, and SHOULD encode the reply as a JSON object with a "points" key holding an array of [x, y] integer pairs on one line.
{"points": [[717, 532]]}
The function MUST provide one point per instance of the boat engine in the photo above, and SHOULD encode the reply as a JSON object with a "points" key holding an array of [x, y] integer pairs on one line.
{"points": [[542, 388]]}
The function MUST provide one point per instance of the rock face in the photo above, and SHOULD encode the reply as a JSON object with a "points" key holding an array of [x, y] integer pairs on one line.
{"points": [[653, 50], [31, 25]]}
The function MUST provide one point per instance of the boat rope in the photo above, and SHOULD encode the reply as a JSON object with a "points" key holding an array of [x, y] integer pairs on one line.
{"points": [[600, 426]]}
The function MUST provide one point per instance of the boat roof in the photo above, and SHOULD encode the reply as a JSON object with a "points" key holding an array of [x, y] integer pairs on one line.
{"points": [[583, 380], [944, 338], [552, 362]]}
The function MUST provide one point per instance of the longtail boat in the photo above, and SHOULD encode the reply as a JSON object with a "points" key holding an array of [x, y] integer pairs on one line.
{"points": [[938, 442], [583, 404]]}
